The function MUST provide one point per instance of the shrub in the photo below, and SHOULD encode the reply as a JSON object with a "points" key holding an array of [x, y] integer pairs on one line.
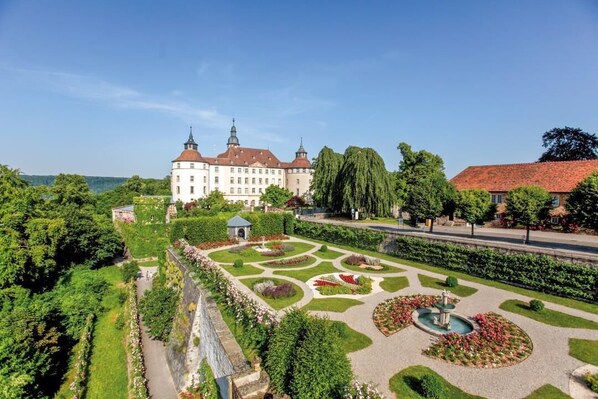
{"points": [[536, 305], [359, 238], [451, 281], [355, 260], [158, 307], [592, 381], [129, 271], [324, 248], [238, 263], [431, 387], [260, 286], [198, 230], [265, 224], [196, 340], [119, 323], [287, 247], [288, 220]]}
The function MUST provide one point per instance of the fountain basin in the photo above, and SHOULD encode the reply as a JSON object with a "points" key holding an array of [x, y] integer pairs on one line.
{"points": [[424, 319]]}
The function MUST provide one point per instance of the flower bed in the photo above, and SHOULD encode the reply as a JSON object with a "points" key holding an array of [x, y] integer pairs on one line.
{"points": [[394, 314], [364, 262], [273, 237], [217, 244], [343, 284], [137, 379], [78, 384], [288, 262], [269, 289], [359, 390], [498, 343]]}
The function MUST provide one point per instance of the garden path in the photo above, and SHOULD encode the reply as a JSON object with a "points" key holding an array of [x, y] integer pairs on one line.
{"points": [[549, 362]]}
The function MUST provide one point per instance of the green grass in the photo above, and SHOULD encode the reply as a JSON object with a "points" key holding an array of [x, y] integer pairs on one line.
{"points": [[338, 305], [406, 384], [572, 303], [329, 255], [379, 221], [227, 257], [385, 268], [351, 340], [393, 284], [431, 282], [278, 303], [306, 274], [64, 392], [108, 362], [246, 270], [547, 316], [584, 349], [309, 261], [548, 392], [148, 263]]}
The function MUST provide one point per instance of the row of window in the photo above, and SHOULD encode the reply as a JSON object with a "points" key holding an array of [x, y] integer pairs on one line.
{"points": [[246, 170], [497, 199], [191, 189]]}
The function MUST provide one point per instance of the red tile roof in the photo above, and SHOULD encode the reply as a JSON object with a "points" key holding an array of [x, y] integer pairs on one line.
{"points": [[299, 163], [190, 156], [555, 177], [243, 156]]}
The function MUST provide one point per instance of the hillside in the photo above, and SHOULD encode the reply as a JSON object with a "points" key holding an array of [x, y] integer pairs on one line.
{"points": [[97, 184]]}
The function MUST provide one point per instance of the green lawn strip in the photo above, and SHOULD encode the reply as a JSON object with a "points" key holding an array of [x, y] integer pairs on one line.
{"points": [[246, 270], [548, 316], [393, 284], [338, 305], [385, 268], [236, 330], [378, 221], [224, 256], [148, 263], [584, 349], [351, 340], [306, 274], [572, 303], [431, 282], [329, 255], [277, 303], [309, 261], [65, 391], [108, 376], [548, 392], [406, 384]]}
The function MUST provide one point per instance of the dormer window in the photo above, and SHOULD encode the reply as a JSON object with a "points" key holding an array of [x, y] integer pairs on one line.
{"points": [[192, 165]]}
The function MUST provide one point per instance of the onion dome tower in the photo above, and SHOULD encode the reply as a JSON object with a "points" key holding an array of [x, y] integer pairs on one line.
{"points": [[233, 140]]}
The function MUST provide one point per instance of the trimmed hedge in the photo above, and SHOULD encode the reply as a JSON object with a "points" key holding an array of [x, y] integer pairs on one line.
{"points": [[289, 223], [359, 238], [265, 224], [540, 273], [144, 240], [199, 229]]}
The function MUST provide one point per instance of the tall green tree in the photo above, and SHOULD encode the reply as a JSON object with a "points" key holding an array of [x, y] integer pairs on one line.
{"points": [[276, 196], [72, 189], [582, 203], [474, 206], [569, 144], [528, 205], [414, 167], [326, 167], [428, 198], [363, 183]]}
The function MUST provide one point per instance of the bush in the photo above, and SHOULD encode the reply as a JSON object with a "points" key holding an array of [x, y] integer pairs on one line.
{"points": [[122, 296], [536, 305], [324, 248], [238, 263], [144, 240], [359, 238], [265, 224], [129, 271], [198, 230], [288, 220], [451, 281], [431, 387], [592, 381], [119, 323], [157, 307], [283, 290], [196, 340]]}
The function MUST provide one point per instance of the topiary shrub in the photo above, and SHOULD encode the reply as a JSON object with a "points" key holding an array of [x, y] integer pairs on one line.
{"points": [[238, 263], [451, 281], [536, 305], [324, 248], [431, 387], [157, 307]]}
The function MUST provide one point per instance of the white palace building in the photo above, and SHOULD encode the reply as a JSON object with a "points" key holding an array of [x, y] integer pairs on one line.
{"points": [[240, 173]]}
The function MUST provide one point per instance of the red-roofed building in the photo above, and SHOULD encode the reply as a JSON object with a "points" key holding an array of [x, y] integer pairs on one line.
{"points": [[240, 173], [558, 178]]}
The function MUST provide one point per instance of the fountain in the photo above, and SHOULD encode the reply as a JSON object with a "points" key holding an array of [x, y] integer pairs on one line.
{"points": [[443, 322]]}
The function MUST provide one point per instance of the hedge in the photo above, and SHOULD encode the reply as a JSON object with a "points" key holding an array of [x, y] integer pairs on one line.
{"points": [[199, 229], [289, 223], [359, 238], [537, 272], [151, 210], [265, 224], [144, 240]]}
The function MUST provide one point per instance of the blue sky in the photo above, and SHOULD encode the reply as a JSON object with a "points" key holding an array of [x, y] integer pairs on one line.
{"points": [[110, 88]]}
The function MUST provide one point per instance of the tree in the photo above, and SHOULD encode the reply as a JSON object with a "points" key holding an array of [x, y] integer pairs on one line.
{"points": [[276, 196], [72, 189], [474, 206], [582, 203], [326, 167], [569, 144], [157, 307], [427, 198], [528, 205], [363, 183], [415, 166]]}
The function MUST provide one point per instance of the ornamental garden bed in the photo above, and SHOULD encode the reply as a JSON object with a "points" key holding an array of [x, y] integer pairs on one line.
{"points": [[369, 264], [251, 252], [498, 343], [339, 283], [298, 261], [277, 293]]}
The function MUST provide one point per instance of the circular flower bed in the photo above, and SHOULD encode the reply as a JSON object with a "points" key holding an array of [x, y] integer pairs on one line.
{"points": [[269, 289], [394, 314], [498, 343], [343, 284]]}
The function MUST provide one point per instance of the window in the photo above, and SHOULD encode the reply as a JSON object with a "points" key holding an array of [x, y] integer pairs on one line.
{"points": [[297, 181], [252, 202], [178, 178], [556, 201], [261, 171], [303, 170], [253, 171], [272, 171], [496, 198], [192, 190], [192, 178], [253, 190], [178, 189], [232, 170], [232, 190], [247, 180], [297, 192], [239, 170], [239, 180], [555, 220], [216, 180], [239, 190], [279, 182], [192, 165], [178, 165], [279, 171], [204, 189], [205, 165], [267, 181], [216, 169], [246, 170], [260, 190], [267, 171], [260, 180], [232, 180], [253, 180]]}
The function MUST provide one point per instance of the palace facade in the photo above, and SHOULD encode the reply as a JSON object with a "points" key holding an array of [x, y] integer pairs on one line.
{"points": [[240, 173]]}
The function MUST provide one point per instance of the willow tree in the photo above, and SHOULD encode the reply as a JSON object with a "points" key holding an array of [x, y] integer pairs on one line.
{"points": [[326, 168], [363, 183]]}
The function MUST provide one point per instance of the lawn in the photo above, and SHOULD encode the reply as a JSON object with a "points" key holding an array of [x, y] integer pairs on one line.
{"points": [[338, 305], [385, 268], [584, 350], [277, 303], [306, 274], [224, 256], [406, 384], [351, 340], [65, 392], [547, 316], [309, 261], [245, 270], [393, 284], [148, 263], [108, 363], [431, 282], [330, 254], [548, 392], [572, 303]]}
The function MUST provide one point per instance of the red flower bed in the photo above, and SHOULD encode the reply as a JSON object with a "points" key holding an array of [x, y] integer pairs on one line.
{"points": [[321, 283], [349, 279], [275, 252], [216, 244], [274, 237], [287, 262]]}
